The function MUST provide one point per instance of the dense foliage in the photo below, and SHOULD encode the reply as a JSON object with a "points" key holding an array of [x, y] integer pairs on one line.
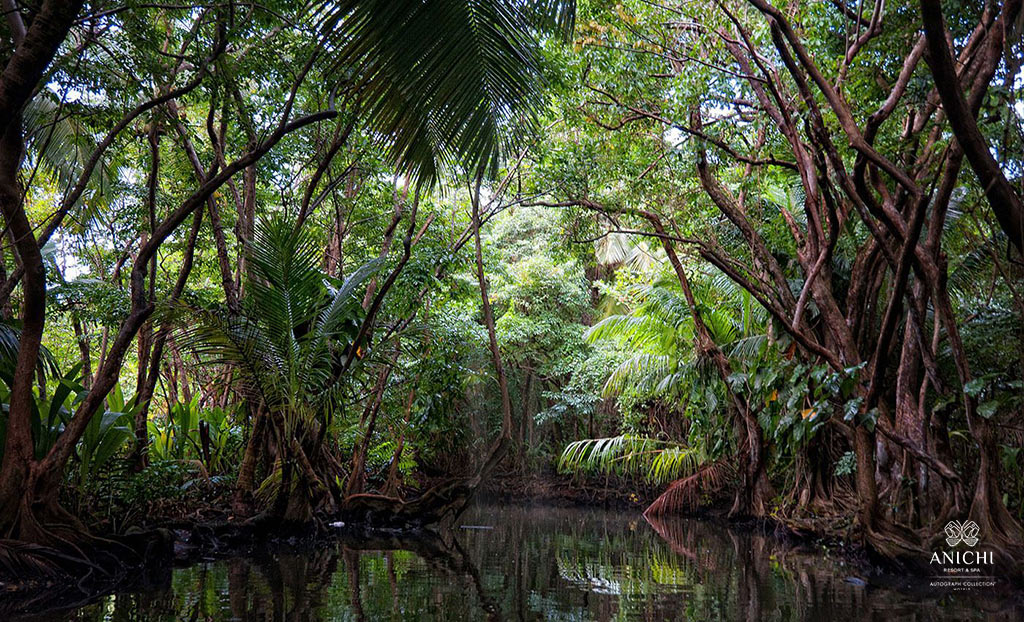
{"points": [[294, 261]]}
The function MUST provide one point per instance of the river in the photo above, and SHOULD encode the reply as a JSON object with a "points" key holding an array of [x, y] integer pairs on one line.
{"points": [[513, 563]]}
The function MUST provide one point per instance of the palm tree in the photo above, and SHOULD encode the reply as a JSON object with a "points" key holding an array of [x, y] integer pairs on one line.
{"points": [[659, 333], [289, 348]]}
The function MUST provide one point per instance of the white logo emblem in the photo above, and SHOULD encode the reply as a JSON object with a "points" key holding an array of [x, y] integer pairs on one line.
{"points": [[966, 532]]}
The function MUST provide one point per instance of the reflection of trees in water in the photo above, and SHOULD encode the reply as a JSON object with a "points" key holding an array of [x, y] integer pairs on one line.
{"points": [[767, 580], [359, 578], [532, 564], [570, 565]]}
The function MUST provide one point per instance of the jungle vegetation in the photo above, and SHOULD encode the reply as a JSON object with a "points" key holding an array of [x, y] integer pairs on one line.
{"points": [[292, 261]]}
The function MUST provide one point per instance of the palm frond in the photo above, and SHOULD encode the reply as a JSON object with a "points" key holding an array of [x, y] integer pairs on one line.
{"points": [[335, 327], [60, 144], [635, 331], [972, 270], [10, 342], [287, 345], [748, 347], [654, 460], [444, 82], [642, 372], [685, 495], [221, 338]]}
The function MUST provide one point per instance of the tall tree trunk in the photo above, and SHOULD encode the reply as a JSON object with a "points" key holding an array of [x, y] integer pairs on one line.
{"points": [[145, 337], [394, 477], [34, 51], [19, 459], [5, 304], [523, 425], [241, 503], [148, 386], [367, 423], [245, 226], [492, 336]]}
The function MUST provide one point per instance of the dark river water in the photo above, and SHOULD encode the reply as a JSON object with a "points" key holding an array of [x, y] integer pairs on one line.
{"points": [[512, 563]]}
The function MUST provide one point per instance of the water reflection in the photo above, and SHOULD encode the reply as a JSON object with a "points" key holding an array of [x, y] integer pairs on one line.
{"points": [[534, 564]]}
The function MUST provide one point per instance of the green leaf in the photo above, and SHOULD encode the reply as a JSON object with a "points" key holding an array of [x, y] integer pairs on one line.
{"points": [[851, 408], [976, 386], [988, 408]]}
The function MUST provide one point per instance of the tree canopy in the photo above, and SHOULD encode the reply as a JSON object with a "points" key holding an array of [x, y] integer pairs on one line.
{"points": [[292, 262]]}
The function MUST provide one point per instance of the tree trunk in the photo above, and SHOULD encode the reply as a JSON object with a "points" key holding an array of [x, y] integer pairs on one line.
{"points": [[357, 478], [149, 379], [220, 242], [35, 48], [19, 459], [145, 337], [1005, 202], [241, 503], [524, 417], [393, 483], [755, 492], [492, 337]]}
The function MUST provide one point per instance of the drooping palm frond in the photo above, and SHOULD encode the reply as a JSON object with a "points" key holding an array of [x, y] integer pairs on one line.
{"points": [[445, 81], [60, 144], [613, 248], [969, 276], [654, 460], [789, 196], [642, 372], [721, 323], [685, 494], [623, 249], [747, 348], [218, 337], [664, 301], [634, 331], [10, 342], [659, 333]]}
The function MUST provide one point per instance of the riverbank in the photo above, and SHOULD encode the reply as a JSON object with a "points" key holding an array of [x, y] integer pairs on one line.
{"points": [[565, 491]]}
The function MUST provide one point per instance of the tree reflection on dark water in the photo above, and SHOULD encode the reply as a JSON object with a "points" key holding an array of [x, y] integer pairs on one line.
{"points": [[539, 564]]}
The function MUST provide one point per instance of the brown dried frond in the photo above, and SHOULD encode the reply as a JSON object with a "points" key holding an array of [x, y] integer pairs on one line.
{"points": [[684, 495]]}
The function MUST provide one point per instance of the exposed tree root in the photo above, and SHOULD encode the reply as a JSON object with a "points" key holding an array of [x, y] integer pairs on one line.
{"points": [[83, 568], [444, 502]]}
